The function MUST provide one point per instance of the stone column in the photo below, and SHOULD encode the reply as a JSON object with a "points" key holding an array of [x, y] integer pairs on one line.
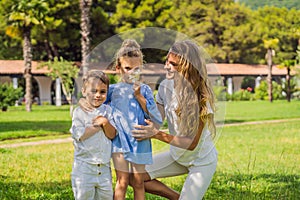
{"points": [[57, 92], [257, 81], [15, 82], [229, 86], [44, 83]]}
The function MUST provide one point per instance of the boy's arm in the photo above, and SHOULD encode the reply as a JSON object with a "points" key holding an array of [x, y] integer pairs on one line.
{"points": [[88, 132], [108, 129], [80, 130]]}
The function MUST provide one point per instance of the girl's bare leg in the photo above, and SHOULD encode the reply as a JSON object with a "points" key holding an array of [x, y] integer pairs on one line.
{"points": [[122, 173], [137, 180]]}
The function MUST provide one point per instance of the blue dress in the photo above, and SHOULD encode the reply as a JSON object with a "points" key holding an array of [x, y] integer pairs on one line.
{"points": [[128, 112]]}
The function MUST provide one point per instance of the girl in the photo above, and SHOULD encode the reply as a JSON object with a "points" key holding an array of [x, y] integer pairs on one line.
{"points": [[134, 102]]}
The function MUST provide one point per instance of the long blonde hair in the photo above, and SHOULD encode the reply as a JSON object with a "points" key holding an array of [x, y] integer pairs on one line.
{"points": [[193, 89]]}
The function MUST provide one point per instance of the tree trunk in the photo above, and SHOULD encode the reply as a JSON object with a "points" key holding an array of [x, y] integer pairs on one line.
{"points": [[68, 96], [288, 89], [85, 6], [27, 54], [48, 50], [269, 77]]}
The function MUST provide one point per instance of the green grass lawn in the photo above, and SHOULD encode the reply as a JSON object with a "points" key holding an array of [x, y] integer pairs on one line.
{"points": [[255, 161], [42, 121], [243, 111], [56, 121]]}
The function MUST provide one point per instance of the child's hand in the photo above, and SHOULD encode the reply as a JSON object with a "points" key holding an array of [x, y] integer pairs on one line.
{"points": [[99, 121]]}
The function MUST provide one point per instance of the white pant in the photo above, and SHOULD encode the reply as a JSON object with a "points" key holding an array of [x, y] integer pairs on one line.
{"points": [[197, 180], [91, 181]]}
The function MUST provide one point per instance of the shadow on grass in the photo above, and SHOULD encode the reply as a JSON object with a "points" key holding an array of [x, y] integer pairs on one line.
{"points": [[40, 191], [30, 125], [12, 130], [39, 108], [230, 121], [260, 186]]}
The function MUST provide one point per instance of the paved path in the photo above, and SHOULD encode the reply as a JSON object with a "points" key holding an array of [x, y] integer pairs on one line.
{"points": [[263, 122], [69, 139], [51, 141]]}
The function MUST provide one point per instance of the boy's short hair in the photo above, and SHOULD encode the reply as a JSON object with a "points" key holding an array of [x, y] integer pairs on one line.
{"points": [[95, 74]]}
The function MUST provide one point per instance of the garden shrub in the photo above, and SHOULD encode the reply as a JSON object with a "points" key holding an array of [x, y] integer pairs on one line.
{"points": [[277, 91], [113, 78], [261, 92], [294, 89], [220, 92], [248, 82], [9, 95], [242, 95]]}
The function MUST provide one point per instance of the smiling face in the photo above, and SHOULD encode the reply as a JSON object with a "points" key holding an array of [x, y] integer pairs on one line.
{"points": [[129, 66], [95, 92], [171, 65]]}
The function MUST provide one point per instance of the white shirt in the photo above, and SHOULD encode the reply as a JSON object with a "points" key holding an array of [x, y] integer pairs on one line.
{"points": [[205, 151], [97, 148]]}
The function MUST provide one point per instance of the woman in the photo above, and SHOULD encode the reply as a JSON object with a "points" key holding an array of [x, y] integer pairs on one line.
{"points": [[186, 99]]}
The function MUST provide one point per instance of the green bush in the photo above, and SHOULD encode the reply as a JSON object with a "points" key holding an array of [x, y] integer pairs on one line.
{"points": [[277, 91], [9, 95], [248, 82], [261, 92], [294, 89], [113, 78], [242, 95], [220, 92], [46, 103]]}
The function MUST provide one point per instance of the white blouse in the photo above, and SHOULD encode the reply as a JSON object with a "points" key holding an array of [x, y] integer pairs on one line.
{"points": [[205, 152]]}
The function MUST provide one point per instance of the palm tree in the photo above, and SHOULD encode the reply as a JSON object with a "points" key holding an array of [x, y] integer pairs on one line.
{"points": [[22, 16], [270, 45], [85, 6], [288, 64]]}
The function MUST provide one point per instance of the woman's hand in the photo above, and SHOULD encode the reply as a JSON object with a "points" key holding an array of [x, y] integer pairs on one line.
{"points": [[144, 132], [84, 105]]}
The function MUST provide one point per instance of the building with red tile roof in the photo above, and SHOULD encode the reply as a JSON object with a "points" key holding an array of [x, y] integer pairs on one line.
{"points": [[231, 75]]}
